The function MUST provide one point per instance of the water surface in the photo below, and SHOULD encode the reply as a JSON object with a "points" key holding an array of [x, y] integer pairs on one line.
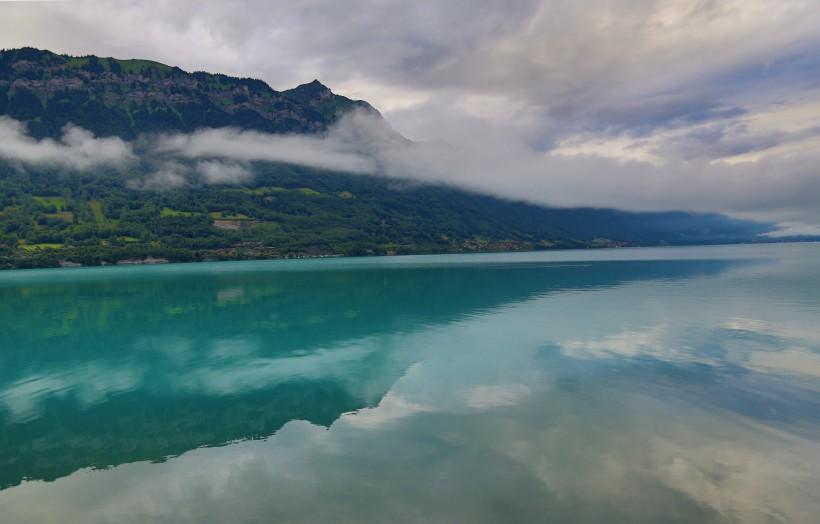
{"points": [[633, 385]]}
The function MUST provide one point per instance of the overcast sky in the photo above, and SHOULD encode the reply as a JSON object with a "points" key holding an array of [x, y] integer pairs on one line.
{"points": [[640, 104]]}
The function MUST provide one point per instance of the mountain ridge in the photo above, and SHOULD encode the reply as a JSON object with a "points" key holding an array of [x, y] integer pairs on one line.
{"points": [[116, 97], [55, 216]]}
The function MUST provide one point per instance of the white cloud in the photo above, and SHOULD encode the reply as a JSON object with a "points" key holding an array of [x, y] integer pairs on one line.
{"points": [[308, 150], [77, 149]]}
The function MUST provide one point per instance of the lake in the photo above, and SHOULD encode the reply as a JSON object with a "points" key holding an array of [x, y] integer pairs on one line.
{"points": [[627, 385]]}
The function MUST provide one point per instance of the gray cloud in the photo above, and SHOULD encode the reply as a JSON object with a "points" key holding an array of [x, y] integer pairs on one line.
{"points": [[777, 188], [727, 139]]}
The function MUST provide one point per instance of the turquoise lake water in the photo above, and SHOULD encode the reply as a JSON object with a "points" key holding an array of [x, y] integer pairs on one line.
{"points": [[630, 385]]}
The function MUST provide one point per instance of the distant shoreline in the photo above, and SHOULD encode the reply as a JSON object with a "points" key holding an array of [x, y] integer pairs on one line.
{"points": [[158, 261]]}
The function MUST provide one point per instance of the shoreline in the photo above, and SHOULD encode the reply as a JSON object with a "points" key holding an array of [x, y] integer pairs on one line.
{"points": [[297, 261]]}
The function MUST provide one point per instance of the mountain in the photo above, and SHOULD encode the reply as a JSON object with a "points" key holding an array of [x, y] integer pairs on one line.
{"points": [[125, 98], [51, 216]]}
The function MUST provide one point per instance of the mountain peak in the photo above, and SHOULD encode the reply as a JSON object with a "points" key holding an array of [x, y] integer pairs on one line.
{"points": [[320, 98], [311, 91], [315, 84]]}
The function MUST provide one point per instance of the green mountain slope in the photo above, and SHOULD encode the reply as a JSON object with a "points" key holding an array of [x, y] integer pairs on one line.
{"points": [[48, 217]]}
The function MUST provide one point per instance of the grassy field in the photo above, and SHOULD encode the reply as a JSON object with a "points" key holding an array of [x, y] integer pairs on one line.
{"points": [[168, 212], [97, 211], [58, 203], [260, 191], [131, 66], [66, 216], [39, 247], [219, 215]]}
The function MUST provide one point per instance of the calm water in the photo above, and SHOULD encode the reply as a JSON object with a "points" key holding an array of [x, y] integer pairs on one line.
{"points": [[645, 385]]}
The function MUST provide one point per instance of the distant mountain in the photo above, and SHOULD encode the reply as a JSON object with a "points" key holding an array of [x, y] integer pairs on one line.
{"points": [[50, 217], [127, 97]]}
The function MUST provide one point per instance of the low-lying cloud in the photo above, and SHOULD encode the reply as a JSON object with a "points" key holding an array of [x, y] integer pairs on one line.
{"points": [[315, 151], [779, 188], [167, 175], [217, 172], [77, 149]]}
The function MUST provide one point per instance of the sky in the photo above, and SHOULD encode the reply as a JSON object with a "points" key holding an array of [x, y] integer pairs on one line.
{"points": [[700, 105]]}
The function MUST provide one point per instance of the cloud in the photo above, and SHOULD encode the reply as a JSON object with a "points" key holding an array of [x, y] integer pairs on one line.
{"points": [[780, 187], [77, 149], [216, 172], [235, 144], [792, 229], [505, 165], [169, 175]]}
